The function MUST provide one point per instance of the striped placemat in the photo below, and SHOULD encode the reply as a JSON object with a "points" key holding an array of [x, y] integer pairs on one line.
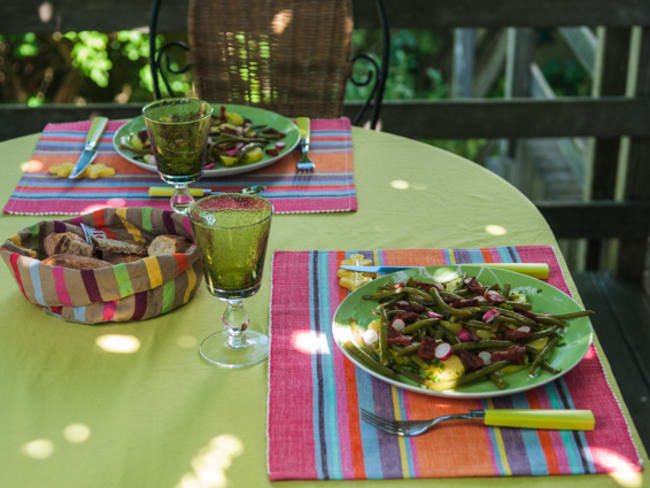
{"points": [[329, 188], [315, 393]]}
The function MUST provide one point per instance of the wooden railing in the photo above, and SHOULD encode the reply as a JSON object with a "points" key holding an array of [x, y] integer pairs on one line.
{"points": [[619, 108]]}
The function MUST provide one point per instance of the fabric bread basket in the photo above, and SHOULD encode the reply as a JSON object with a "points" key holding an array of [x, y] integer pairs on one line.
{"points": [[134, 290]]}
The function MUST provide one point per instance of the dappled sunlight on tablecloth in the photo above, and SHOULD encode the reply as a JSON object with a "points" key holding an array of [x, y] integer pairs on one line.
{"points": [[209, 466], [38, 448], [496, 230], [118, 343], [32, 166], [76, 433]]}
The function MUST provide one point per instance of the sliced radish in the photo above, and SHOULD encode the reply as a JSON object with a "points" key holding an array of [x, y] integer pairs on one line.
{"points": [[398, 324], [280, 145], [434, 315], [523, 328], [486, 357], [490, 315], [464, 335], [443, 351], [370, 336]]}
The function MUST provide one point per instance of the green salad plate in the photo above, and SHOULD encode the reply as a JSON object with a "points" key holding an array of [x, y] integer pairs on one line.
{"points": [[544, 298], [257, 115]]}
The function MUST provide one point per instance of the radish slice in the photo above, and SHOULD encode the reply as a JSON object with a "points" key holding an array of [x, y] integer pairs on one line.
{"points": [[398, 324], [370, 336], [280, 145], [523, 328], [490, 315], [443, 351], [464, 336], [434, 315], [486, 357]]}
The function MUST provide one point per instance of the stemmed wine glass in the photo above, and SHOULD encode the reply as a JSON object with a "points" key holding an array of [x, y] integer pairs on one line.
{"points": [[232, 231], [178, 129]]}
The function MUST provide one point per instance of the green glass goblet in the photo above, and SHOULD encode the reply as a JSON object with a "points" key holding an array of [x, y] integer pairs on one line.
{"points": [[178, 129], [232, 231]]}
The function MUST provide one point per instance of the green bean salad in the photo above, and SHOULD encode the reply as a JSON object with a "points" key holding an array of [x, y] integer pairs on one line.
{"points": [[444, 335]]}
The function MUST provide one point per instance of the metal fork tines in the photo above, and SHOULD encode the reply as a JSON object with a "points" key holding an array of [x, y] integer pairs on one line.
{"points": [[411, 427], [305, 164]]}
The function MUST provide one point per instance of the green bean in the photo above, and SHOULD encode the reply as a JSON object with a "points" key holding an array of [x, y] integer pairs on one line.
{"points": [[418, 293], [447, 310], [383, 338], [409, 374], [550, 368], [418, 325], [543, 333], [498, 381], [483, 372], [510, 313], [524, 306], [419, 362], [405, 351], [540, 357], [477, 324], [547, 320], [506, 289], [485, 344], [368, 361], [392, 301], [572, 315]]}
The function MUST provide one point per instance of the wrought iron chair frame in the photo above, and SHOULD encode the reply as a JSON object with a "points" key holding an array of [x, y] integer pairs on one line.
{"points": [[379, 72]]}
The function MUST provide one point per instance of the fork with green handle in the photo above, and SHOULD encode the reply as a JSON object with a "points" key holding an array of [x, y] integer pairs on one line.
{"points": [[555, 419], [304, 164]]}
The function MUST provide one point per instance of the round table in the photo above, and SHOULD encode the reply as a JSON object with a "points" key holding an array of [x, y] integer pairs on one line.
{"points": [[141, 419]]}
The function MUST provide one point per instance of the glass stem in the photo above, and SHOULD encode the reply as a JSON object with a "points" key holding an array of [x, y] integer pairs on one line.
{"points": [[181, 199], [235, 319]]}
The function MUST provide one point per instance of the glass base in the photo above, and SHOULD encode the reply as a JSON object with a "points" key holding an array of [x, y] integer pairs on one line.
{"points": [[215, 349]]}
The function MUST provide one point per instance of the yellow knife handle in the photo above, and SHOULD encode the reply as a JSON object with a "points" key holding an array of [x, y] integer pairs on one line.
{"points": [[556, 419], [166, 191], [536, 270]]}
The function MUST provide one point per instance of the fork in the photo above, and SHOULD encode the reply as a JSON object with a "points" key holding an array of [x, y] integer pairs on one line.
{"points": [[556, 419], [304, 164]]}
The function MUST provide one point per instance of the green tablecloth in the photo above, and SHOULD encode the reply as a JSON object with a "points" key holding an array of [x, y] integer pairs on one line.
{"points": [[73, 415]]}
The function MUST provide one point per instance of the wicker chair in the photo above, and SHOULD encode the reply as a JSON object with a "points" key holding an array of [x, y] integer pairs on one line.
{"points": [[288, 56]]}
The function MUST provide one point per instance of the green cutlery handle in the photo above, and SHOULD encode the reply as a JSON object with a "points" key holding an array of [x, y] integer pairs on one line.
{"points": [[95, 132], [303, 127], [541, 419]]}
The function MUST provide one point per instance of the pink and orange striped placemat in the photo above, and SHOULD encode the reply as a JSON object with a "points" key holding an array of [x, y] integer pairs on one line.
{"points": [[329, 188], [315, 393]]}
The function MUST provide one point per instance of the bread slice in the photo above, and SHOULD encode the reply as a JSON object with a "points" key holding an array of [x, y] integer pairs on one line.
{"points": [[66, 243], [119, 247], [75, 262], [167, 244], [120, 258]]}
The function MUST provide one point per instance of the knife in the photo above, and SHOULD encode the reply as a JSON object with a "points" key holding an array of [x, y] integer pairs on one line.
{"points": [[94, 133], [536, 270], [195, 191]]}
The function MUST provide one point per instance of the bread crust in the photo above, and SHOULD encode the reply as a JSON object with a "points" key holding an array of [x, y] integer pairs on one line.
{"points": [[75, 262], [66, 243], [167, 244], [119, 247]]}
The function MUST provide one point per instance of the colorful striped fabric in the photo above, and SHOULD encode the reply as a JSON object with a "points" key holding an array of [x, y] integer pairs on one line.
{"points": [[136, 290], [330, 188], [315, 393]]}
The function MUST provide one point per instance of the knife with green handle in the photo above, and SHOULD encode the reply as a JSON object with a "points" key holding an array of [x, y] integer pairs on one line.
{"points": [[90, 148], [557, 419]]}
